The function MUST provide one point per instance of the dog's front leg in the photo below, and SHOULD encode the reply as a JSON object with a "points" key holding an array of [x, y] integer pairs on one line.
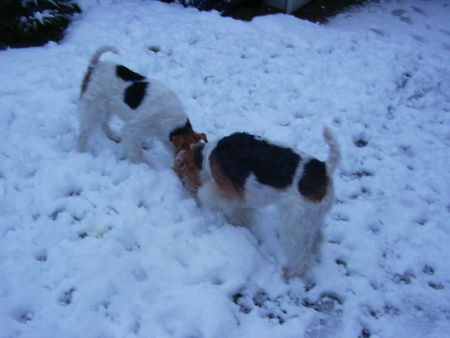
{"points": [[132, 144], [134, 151], [242, 216], [210, 195]]}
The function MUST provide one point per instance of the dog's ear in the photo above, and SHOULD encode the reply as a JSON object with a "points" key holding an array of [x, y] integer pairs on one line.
{"points": [[200, 137], [178, 163], [180, 159]]}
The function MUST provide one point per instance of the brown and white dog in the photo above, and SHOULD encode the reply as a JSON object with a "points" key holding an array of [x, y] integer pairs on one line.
{"points": [[146, 107], [242, 172]]}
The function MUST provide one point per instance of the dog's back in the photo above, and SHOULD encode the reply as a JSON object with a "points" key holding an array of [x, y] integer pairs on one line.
{"points": [[240, 155], [121, 91], [103, 81], [264, 173]]}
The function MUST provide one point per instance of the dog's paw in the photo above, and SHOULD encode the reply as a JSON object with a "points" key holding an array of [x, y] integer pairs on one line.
{"points": [[116, 139]]}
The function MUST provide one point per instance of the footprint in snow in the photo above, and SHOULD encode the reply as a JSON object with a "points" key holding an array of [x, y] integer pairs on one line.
{"points": [[24, 316], [65, 299]]}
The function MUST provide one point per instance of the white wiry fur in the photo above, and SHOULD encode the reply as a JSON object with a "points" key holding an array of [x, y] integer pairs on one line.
{"points": [[301, 218], [159, 113]]}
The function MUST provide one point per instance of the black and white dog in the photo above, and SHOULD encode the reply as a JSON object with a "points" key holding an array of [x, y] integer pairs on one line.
{"points": [[241, 172], [146, 107]]}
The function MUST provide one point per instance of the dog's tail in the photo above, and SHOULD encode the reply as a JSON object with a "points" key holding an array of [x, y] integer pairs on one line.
{"points": [[334, 156], [96, 56], [92, 63]]}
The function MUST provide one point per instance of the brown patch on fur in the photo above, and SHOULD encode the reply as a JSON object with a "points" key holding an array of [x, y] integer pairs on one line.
{"points": [[186, 169], [228, 188], [312, 191], [314, 182], [189, 173], [183, 141]]}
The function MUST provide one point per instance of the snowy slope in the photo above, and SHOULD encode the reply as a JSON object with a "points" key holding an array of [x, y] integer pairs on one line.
{"points": [[94, 246]]}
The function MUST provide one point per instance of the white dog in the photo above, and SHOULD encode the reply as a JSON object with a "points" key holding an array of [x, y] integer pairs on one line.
{"points": [[242, 172], [146, 107]]}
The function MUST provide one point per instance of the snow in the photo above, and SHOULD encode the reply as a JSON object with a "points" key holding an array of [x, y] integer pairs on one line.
{"points": [[94, 246]]}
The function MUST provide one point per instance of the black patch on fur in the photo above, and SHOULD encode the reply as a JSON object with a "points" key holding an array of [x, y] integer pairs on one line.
{"points": [[241, 154], [135, 93], [314, 181], [86, 79], [127, 74], [187, 128], [198, 157]]}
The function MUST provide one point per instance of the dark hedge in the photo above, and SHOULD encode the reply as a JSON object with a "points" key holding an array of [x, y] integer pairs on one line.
{"points": [[34, 22]]}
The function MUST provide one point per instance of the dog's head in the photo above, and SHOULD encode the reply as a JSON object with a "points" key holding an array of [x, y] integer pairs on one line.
{"points": [[184, 141], [187, 166], [183, 137]]}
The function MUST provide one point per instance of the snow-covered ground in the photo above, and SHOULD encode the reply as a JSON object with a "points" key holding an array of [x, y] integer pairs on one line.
{"points": [[94, 246]]}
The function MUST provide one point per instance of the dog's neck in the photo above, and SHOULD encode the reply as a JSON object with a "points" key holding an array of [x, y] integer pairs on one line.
{"points": [[198, 156], [185, 129], [189, 166]]}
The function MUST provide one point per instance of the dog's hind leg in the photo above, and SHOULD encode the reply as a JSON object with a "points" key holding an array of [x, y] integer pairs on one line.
{"points": [[83, 138], [317, 244], [111, 134], [87, 128], [299, 237], [89, 123]]}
